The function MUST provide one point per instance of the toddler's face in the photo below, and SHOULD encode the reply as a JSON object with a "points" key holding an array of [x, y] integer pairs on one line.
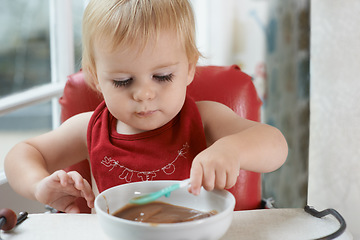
{"points": [[144, 90]]}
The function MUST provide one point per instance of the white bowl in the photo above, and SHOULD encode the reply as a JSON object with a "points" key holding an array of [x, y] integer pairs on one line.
{"points": [[213, 227]]}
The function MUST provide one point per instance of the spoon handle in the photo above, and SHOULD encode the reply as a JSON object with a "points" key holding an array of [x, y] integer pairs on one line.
{"points": [[147, 198]]}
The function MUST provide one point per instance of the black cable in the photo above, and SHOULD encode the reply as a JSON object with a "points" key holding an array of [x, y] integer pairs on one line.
{"points": [[325, 212]]}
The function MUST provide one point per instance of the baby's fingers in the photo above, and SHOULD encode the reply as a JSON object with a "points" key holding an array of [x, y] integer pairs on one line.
{"points": [[88, 194], [220, 179], [231, 179], [62, 177], [84, 187], [77, 180], [209, 177], [72, 208], [196, 175]]}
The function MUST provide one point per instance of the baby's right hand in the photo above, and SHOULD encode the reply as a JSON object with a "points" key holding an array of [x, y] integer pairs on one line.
{"points": [[60, 190]]}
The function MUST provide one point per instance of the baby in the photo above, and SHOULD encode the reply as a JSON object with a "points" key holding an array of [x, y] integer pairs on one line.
{"points": [[141, 56]]}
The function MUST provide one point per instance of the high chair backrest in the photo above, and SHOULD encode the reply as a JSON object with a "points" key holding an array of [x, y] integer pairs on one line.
{"points": [[227, 85]]}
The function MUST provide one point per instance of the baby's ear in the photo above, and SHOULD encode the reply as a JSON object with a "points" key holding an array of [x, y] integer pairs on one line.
{"points": [[191, 72]]}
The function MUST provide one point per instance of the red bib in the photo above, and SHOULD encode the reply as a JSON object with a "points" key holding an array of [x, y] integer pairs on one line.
{"points": [[165, 153]]}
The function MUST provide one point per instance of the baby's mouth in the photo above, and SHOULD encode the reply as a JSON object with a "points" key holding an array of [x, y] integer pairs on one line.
{"points": [[146, 113]]}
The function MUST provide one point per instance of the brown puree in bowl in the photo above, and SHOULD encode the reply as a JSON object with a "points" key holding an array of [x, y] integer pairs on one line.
{"points": [[160, 212]]}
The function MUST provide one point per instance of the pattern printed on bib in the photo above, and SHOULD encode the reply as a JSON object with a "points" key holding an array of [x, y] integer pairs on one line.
{"points": [[127, 174]]}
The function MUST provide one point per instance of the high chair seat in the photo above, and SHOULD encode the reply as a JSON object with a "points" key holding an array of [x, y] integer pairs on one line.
{"points": [[224, 84]]}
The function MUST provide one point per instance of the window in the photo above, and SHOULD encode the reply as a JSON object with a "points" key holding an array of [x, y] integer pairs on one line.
{"points": [[37, 52]]}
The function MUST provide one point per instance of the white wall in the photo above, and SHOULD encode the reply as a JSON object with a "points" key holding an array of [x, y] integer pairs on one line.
{"points": [[334, 165]]}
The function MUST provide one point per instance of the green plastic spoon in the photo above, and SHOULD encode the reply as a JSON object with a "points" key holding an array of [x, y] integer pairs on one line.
{"points": [[147, 198]]}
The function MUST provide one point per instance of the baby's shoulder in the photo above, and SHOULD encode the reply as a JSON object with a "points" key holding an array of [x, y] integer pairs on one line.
{"points": [[78, 121], [206, 107]]}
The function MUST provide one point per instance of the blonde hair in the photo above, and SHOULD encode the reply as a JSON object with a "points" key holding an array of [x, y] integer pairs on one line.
{"points": [[122, 21]]}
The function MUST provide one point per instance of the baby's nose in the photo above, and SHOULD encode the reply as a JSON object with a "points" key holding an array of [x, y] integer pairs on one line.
{"points": [[144, 92]]}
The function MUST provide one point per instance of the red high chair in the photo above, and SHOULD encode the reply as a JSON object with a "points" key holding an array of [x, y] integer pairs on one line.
{"points": [[227, 85]]}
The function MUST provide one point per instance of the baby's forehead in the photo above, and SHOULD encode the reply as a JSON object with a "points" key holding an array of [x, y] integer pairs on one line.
{"points": [[111, 43]]}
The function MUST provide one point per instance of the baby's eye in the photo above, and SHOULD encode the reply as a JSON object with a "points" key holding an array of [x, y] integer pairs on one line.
{"points": [[164, 78], [122, 83]]}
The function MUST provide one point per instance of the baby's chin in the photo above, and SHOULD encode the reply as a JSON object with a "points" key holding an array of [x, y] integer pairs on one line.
{"points": [[128, 129]]}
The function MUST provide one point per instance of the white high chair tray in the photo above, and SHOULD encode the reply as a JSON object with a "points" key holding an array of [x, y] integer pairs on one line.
{"points": [[254, 224]]}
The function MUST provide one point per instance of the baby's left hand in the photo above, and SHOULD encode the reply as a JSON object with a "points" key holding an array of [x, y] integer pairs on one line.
{"points": [[215, 167]]}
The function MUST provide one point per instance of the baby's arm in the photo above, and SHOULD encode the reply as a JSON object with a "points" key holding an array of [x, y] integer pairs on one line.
{"points": [[31, 166], [234, 143]]}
